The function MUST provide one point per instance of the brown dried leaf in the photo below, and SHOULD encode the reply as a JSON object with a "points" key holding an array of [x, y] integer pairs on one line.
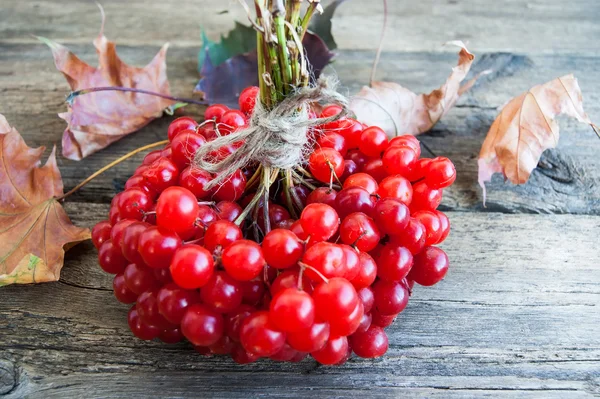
{"points": [[98, 119], [35, 230], [526, 127], [398, 110]]}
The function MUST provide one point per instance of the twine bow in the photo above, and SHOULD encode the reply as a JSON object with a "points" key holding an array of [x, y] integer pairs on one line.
{"points": [[277, 138]]}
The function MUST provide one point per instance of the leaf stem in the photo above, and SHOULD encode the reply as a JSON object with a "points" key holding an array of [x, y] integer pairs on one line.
{"points": [[380, 48], [110, 165], [71, 97]]}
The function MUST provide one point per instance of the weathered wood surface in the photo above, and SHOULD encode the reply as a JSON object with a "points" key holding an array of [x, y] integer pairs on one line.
{"points": [[517, 315], [568, 180], [514, 317]]}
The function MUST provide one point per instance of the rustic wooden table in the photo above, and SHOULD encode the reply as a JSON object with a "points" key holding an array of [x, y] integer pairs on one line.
{"points": [[518, 314]]}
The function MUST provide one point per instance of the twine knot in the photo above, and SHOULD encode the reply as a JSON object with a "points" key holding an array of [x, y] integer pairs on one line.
{"points": [[277, 138]]}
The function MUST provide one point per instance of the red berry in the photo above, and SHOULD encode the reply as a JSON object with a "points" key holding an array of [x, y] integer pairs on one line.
{"points": [[396, 187], [161, 174], [425, 198], [354, 199], [292, 310], [399, 160], [172, 336], [412, 237], [234, 319], [194, 179], [130, 241], [282, 249], [134, 203], [432, 224], [362, 180], [222, 293], [243, 260], [334, 299], [177, 209], [140, 279], [247, 99], [139, 328], [290, 279], [231, 121], [391, 215], [390, 297], [347, 325], [394, 263], [228, 210], [322, 195], [179, 125], [367, 271], [258, 335], [325, 164], [320, 220], [440, 173], [232, 188], [334, 351], [359, 230], [430, 266], [373, 141], [157, 246], [375, 168], [122, 293], [110, 258], [327, 259], [221, 233], [192, 266], [445, 225], [202, 326], [371, 343], [173, 302], [332, 140], [101, 233], [215, 112], [310, 339], [147, 307], [407, 141], [185, 146]]}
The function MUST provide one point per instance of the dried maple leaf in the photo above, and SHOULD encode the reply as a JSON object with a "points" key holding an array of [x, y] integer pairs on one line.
{"points": [[526, 127], [35, 230], [398, 110], [98, 119]]}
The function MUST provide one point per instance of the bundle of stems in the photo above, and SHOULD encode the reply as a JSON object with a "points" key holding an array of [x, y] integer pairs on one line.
{"points": [[282, 65]]}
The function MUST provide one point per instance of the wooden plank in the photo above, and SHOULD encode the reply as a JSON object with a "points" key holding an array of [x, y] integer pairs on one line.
{"points": [[533, 27], [514, 317], [568, 180]]}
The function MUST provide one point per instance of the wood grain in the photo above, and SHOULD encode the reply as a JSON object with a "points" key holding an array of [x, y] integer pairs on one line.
{"points": [[517, 315], [533, 27], [514, 317]]}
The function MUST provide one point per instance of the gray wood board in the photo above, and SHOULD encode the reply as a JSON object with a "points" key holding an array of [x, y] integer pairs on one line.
{"points": [[514, 317]]}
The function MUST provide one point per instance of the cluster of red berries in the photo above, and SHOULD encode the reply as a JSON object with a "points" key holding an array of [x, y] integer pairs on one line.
{"points": [[324, 284]]}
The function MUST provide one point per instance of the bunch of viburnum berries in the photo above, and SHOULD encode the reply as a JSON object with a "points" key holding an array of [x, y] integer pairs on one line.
{"points": [[321, 272]]}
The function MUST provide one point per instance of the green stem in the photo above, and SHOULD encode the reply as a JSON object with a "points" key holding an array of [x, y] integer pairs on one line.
{"points": [[306, 19], [279, 20]]}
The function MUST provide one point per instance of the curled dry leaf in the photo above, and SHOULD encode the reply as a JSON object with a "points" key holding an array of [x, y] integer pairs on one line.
{"points": [[35, 230], [526, 127], [98, 119], [398, 110]]}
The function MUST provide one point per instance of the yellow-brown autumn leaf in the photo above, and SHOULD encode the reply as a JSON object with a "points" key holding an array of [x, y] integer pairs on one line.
{"points": [[35, 230], [526, 127], [98, 119], [397, 110]]}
